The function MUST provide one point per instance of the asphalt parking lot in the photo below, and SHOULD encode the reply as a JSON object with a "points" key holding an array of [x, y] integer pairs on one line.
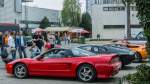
{"points": [[8, 79]]}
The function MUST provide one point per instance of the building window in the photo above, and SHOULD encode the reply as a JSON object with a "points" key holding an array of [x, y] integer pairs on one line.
{"points": [[114, 8], [136, 26], [105, 9], [112, 1], [95, 1], [104, 1], [133, 8], [18, 6], [114, 26], [100, 1], [1, 3]]}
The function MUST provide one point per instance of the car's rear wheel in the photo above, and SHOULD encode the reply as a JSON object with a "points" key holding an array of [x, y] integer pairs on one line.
{"points": [[86, 73], [20, 71], [138, 57]]}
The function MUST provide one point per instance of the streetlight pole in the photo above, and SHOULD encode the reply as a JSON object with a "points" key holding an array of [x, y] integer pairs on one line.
{"points": [[26, 17]]}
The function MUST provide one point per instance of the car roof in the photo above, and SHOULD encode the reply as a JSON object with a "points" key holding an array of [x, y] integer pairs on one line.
{"points": [[90, 45]]}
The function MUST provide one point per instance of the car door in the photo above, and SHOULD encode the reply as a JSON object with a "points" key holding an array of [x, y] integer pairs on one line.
{"points": [[55, 64]]}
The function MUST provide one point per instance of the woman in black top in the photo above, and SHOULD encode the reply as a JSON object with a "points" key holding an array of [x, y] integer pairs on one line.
{"points": [[38, 39]]}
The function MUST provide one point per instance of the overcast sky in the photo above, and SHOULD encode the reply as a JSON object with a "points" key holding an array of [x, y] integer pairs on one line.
{"points": [[52, 4]]}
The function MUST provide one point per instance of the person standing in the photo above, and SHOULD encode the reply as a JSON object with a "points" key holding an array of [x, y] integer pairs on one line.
{"points": [[11, 45], [1, 38], [34, 50], [68, 39], [47, 45], [1, 43], [65, 38], [98, 36], [21, 44], [4, 46], [58, 41], [5, 39], [38, 39]]}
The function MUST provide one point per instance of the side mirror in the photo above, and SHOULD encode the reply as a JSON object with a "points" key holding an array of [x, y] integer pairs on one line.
{"points": [[39, 58]]}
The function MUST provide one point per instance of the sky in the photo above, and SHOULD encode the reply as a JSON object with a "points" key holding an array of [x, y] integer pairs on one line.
{"points": [[53, 4]]}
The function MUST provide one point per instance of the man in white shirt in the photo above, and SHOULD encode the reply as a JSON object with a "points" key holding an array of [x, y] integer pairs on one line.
{"points": [[11, 45]]}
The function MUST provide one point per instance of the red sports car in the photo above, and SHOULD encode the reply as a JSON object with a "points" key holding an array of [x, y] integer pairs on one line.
{"points": [[79, 63]]}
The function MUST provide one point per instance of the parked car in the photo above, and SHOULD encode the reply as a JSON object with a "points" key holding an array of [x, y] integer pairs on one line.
{"points": [[139, 39], [126, 56], [84, 65], [140, 50]]}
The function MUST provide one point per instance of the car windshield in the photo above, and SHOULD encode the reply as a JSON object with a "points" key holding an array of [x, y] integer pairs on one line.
{"points": [[79, 52]]}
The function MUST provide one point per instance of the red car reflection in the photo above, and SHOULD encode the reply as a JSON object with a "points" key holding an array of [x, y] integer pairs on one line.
{"points": [[79, 63]]}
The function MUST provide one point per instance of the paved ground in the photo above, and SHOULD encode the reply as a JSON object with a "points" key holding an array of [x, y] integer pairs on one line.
{"points": [[7, 79]]}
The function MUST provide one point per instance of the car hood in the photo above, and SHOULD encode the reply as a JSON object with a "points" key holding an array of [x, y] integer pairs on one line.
{"points": [[24, 60]]}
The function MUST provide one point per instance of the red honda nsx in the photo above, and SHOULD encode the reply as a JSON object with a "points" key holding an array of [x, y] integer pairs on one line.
{"points": [[79, 63]]}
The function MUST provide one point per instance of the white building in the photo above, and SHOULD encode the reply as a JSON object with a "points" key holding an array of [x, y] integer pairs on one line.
{"points": [[8, 14], [109, 19], [12, 11]]}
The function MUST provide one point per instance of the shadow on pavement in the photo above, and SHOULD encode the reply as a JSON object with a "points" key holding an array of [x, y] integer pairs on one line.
{"points": [[99, 81], [128, 68]]}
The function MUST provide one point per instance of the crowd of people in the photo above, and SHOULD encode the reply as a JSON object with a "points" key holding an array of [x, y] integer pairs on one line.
{"points": [[12, 42]]}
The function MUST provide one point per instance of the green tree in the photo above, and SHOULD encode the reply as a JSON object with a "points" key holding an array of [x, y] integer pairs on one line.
{"points": [[71, 13], [127, 4], [143, 8], [44, 23], [86, 22]]}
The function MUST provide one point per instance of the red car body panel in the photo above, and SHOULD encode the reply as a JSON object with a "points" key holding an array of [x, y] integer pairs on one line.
{"points": [[67, 67]]}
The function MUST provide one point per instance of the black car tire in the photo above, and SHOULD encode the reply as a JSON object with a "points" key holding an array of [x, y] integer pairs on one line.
{"points": [[20, 71], [123, 65], [138, 58], [86, 73]]}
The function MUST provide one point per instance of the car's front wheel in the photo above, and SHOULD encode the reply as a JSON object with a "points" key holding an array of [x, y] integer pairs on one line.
{"points": [[86, 73], [20, 71]]}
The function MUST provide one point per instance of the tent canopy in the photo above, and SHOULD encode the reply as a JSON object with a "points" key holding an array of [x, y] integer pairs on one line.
{"points": [[58, 29], [79, 31], [38, 30]]}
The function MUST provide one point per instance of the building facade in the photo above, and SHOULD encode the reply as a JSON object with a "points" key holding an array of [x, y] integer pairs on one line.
{"points": [[109, 20], [35, 15], [13, 11], [8, 12]]}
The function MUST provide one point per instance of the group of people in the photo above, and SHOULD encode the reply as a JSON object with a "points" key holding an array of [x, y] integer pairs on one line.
{"points": [[12, 42]]}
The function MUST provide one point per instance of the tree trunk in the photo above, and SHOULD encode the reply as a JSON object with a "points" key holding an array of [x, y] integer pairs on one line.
{"points": [[128, 22]]}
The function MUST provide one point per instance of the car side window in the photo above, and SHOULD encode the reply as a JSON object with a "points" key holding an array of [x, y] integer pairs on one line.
{"points": [[141, 36], [64, 53], [88, 48], [95, 49], [102, 50], [78, 53], [50, 55]]}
